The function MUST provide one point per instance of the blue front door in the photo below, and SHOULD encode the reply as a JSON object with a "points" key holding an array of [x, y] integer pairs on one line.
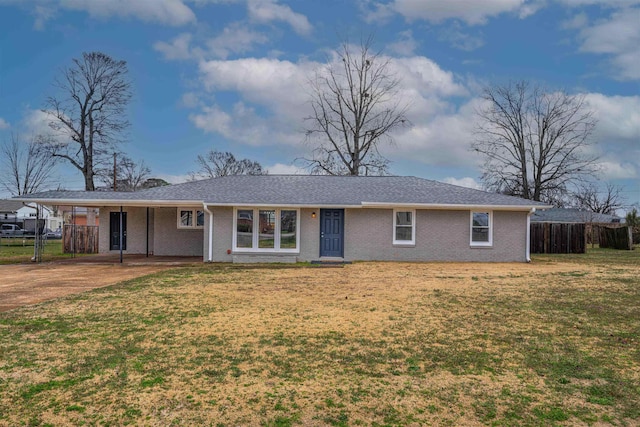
{"points": [[331, 232]]}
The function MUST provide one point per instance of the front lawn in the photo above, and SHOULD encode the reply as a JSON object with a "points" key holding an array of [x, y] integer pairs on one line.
{"points": [[554, 342]]}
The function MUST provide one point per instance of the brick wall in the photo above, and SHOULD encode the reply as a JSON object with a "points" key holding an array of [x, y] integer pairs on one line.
{"points": [[440, 236], [136, 230], [171, 240]]}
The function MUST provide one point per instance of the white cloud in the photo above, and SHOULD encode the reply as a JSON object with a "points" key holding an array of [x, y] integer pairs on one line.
{"points": [[43, 13], [441, 140], [602, 3], [613, 169], [617, 134], [37, 123], [463, 182], [244, 126], [4, 124], [425, 76], [190, 100], [282, 169], [236, 38], [266, 11], [274, 103], [278, 85], [471, 12], [530, 7], [618, 118], [577, 22], [459, 39], [178, 48], [170, 12], [213, 119], [405, 46], [174, 179], [619, 37]]}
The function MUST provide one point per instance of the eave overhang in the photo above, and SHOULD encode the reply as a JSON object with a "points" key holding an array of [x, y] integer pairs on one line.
{"points": [[190, 203], [454, 206], [94, 203]]}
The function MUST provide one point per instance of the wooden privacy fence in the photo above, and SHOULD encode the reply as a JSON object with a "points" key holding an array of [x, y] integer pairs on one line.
{"points": [[557, 238], [80, 239], [616, 238]]}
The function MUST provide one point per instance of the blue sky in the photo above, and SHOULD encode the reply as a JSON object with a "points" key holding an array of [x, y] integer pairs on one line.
{"points": [[230, 74]]}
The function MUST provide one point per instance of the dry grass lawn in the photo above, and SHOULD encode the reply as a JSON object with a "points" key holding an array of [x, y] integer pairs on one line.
{"points": [[552, 342]]}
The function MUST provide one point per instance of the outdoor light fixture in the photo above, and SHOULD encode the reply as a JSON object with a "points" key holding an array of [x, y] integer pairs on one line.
{"points": [[313, 214]]}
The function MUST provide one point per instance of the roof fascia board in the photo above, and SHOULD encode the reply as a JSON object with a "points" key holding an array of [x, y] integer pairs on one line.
{"points": [[112, 202], [443, 206], [282, 205]]}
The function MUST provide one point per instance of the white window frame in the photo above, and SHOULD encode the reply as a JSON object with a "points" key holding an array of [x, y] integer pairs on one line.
{"points": [[411, 242], [194, 216], [255, 236], [489, 227]]}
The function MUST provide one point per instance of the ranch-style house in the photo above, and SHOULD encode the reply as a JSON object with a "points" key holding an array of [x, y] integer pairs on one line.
{"points": [[292, 218]]}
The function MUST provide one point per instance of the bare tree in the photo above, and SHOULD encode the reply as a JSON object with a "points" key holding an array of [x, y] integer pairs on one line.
{"points": [[534, 142], [130, 175], [26, 167], [589, 198], [89, 115], [154, 182], [219, 163], [356, 106]]}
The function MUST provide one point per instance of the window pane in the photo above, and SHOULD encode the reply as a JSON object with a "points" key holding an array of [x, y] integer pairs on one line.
{"points": [[403, 218], [480, 234], [266, 238], [480, 219], [200, 218], [403, 233], [288, 229], [186, 218], [244, 238]]}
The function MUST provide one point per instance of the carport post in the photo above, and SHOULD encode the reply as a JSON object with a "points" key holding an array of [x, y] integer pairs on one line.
{"points": [[121, 234], [147, 231]]}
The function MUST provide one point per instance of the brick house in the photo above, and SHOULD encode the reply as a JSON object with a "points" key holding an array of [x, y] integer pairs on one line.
{"points": [[292, 218]]}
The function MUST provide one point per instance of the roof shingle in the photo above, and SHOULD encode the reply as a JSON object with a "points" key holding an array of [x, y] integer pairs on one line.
{"points": [[301, 190]]}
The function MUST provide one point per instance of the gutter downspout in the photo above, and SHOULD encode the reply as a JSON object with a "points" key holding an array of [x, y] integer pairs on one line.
{"points": [[527, 253], [210, 251], [121, 236]]}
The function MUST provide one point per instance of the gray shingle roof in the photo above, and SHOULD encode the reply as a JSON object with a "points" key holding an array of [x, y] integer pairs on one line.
{"points": [[311, 190], [572, 215], [10, 206]]}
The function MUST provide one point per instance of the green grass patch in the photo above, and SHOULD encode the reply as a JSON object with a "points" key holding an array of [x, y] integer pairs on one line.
{"points": [[18, 250]]}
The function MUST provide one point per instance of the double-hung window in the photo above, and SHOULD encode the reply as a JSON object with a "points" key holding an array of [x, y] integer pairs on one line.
{"points": [[481, 229], [190, 218], [266, 230], [404, 227]]}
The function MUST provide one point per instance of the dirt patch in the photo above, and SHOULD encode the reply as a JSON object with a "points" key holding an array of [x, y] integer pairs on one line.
{"points": [[30, 284]]}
